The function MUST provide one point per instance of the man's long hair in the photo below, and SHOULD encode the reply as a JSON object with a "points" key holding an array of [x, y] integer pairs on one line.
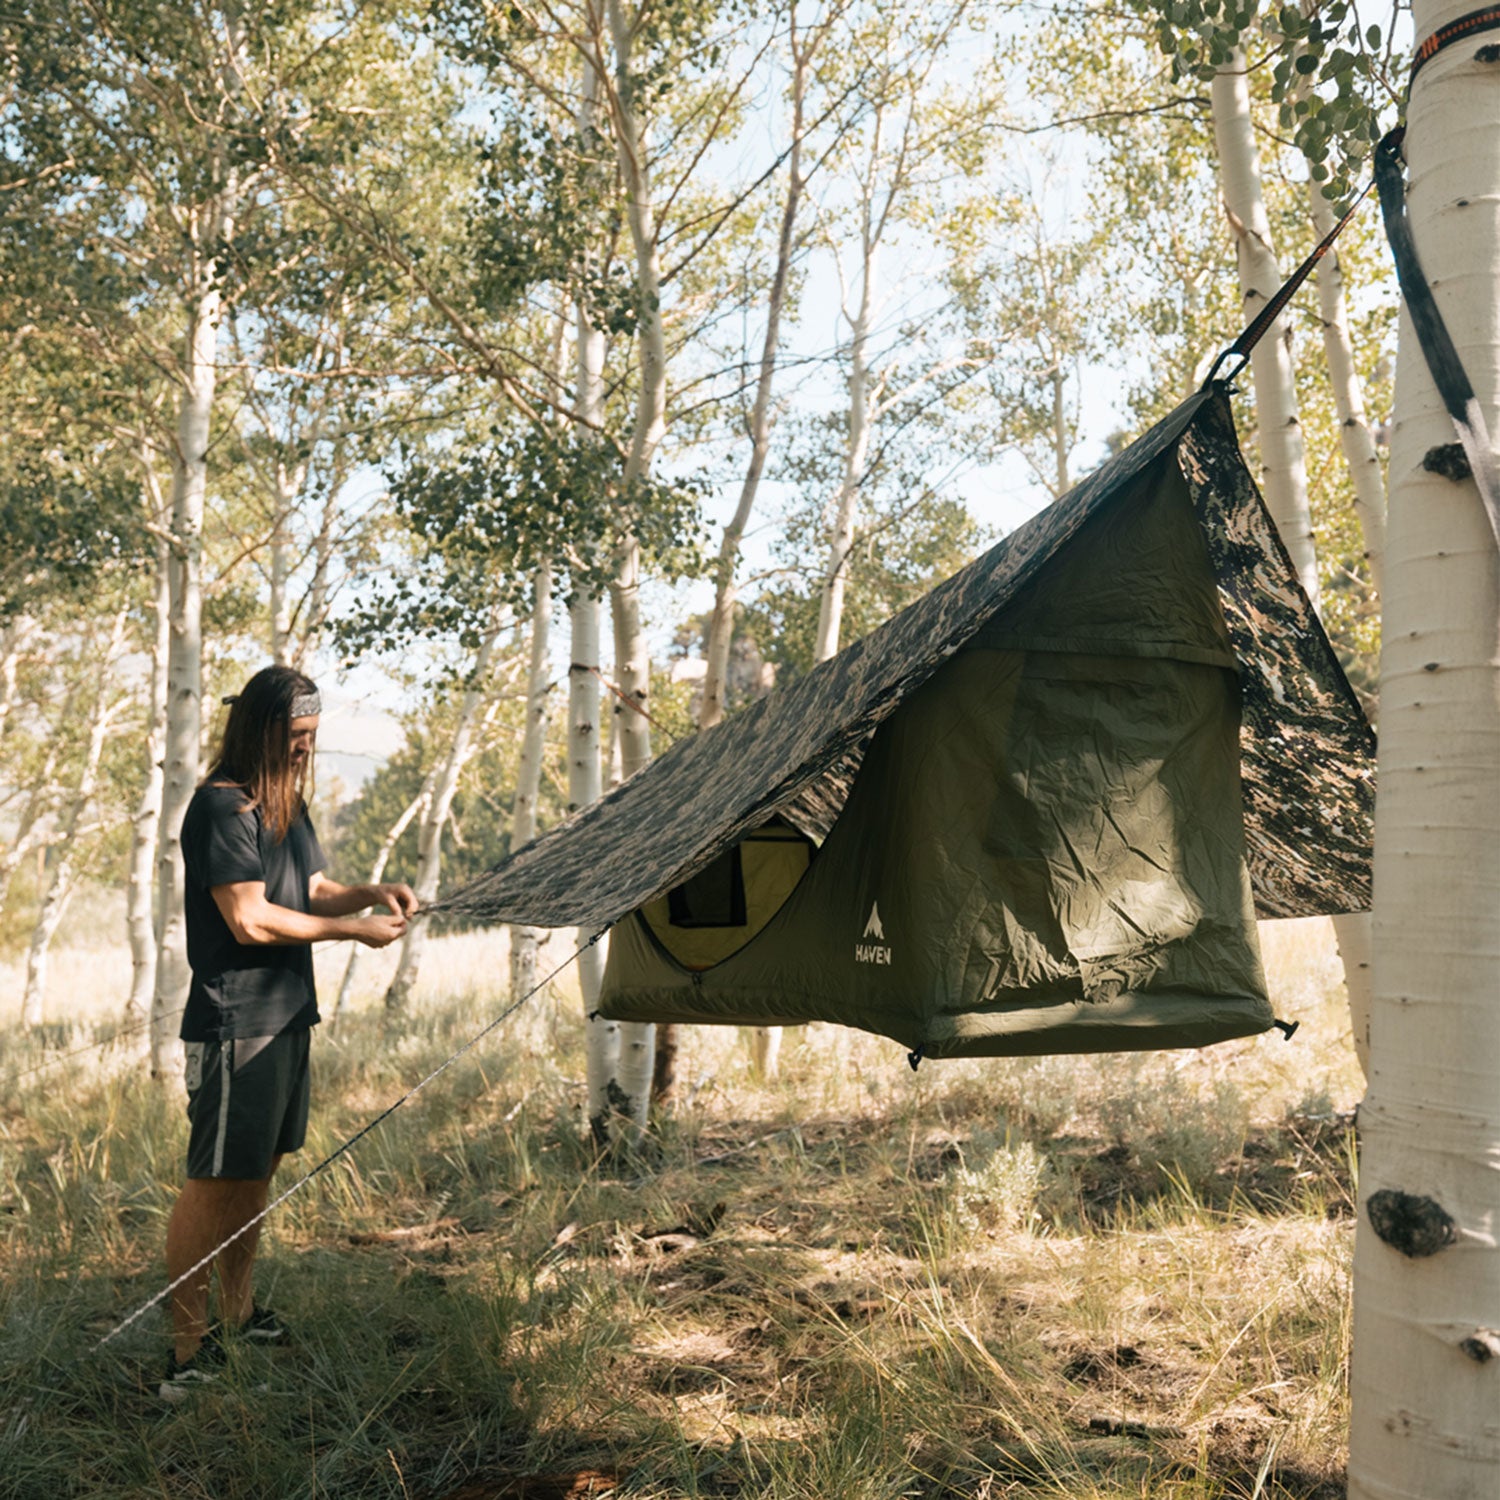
{"points": [[255, 753]]}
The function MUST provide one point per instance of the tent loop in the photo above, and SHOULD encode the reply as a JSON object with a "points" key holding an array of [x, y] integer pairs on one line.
{"points": [[1288, 1029], [914, 1057], [1272, 310]]}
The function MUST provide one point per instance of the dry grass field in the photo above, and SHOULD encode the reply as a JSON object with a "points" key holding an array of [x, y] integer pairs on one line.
{"points": [[1063, 1277]]}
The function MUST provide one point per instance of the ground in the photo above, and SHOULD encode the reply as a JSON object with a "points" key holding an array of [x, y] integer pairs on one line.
{"points": [[1064, 1277]]}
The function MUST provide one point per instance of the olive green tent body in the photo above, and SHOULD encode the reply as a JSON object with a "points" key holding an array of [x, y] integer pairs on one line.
{"points": [[1038, 811]]}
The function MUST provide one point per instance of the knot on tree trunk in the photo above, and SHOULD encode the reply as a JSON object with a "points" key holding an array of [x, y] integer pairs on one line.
{"points": [[1449, 460], [1410, 1223], [1482, 1345]]}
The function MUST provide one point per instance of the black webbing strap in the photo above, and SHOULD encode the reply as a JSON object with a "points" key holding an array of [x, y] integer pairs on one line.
{"points": [[1476, 21], [1443, 363], [1272, 310]]}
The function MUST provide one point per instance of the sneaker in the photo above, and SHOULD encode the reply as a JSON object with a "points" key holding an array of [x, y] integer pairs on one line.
{"points": [[262, 1325], [181, 1380]]}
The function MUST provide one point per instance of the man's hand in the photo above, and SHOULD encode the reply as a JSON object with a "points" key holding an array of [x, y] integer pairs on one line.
{"points": [[396, 895], [378, 930]]}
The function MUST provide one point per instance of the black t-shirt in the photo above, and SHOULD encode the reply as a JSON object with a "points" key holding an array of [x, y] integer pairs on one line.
{"points": [[244, 989]]}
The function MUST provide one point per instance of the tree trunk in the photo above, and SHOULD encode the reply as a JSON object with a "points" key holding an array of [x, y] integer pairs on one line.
{"points": [[585, 740], [831, 603], [184, 718], [430, 834], [1358, 444], [721, 622], [377, 873], [316, 602], [524, 941], [585, 783], [630, 1088], [12, 641], [1355, 437], [1426, 1258], [765, 1041], [140, 918], [1060, 431], [289, 484], [26, 835], [1283, 471], [57, 886]]}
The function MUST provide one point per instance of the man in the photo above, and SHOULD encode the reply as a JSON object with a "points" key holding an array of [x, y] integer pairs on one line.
{"points": [[256, 900]]}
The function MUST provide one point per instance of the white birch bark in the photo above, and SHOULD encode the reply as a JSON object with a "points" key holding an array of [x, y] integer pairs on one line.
{"points": [[57, 885], [208, 225], [721, 621], [435, 817], [1355, 437], [1358, 445], [585, 784], [1283, 469], [316, 602], [856, 451], [585, 770], [413, 809], [1427, 1327], [29, 831], [13, 640], [630, 1087], [140, 918], [184, 718], [288, 486], [1061, 430], [524, 941]]}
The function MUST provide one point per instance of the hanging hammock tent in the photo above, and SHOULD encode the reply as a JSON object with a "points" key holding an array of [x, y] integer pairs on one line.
{"points": [[1037, 811]]}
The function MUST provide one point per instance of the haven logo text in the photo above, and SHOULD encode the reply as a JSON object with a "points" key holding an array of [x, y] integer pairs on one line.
{"points": [[873, 950]]}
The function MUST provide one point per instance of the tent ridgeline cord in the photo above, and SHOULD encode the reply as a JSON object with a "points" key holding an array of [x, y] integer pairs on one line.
{"points": [[333, 1156], [114, 1036], [626, 699], [1242, 346], [1443, 363]]}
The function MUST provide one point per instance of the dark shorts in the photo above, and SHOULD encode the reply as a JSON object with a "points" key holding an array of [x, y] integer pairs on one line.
{"points": [[247, 1103]]}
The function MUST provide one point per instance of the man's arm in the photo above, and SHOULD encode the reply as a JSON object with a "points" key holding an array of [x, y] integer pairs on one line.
{"points": [[256, 921], [327, 898]]}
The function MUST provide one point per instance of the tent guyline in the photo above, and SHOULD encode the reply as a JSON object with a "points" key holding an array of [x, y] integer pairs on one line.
{"points": [[114, 1036], [343, 1149], [626, 699]]}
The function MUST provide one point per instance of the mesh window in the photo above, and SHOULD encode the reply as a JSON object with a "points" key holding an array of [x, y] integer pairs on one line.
{"points": [[714, 897]]}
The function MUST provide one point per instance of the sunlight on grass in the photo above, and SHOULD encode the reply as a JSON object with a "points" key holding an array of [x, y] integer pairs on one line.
{"points": [[1098, 1276]]}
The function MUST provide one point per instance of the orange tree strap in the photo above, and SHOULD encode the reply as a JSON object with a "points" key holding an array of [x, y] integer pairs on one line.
{"points": [[1476, 21]]}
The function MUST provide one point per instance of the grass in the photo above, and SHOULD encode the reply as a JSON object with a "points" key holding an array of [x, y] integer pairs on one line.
{"points": [[1061, 1277]]}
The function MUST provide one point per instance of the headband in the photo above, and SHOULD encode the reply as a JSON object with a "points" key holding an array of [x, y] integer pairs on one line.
{"points": [[304, 705]]}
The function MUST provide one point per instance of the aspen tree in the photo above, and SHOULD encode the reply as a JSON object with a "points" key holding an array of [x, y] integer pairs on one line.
{"points": [[435, 817], [1427, 1245]]}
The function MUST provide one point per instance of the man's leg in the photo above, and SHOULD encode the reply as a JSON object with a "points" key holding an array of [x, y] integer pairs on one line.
{"points": [[236, 1262], [207, 1212]]}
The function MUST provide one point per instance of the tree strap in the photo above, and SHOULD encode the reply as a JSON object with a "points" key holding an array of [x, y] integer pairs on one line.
{"points": [[1448, 374], [1487, 19], [1272, 310]]}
